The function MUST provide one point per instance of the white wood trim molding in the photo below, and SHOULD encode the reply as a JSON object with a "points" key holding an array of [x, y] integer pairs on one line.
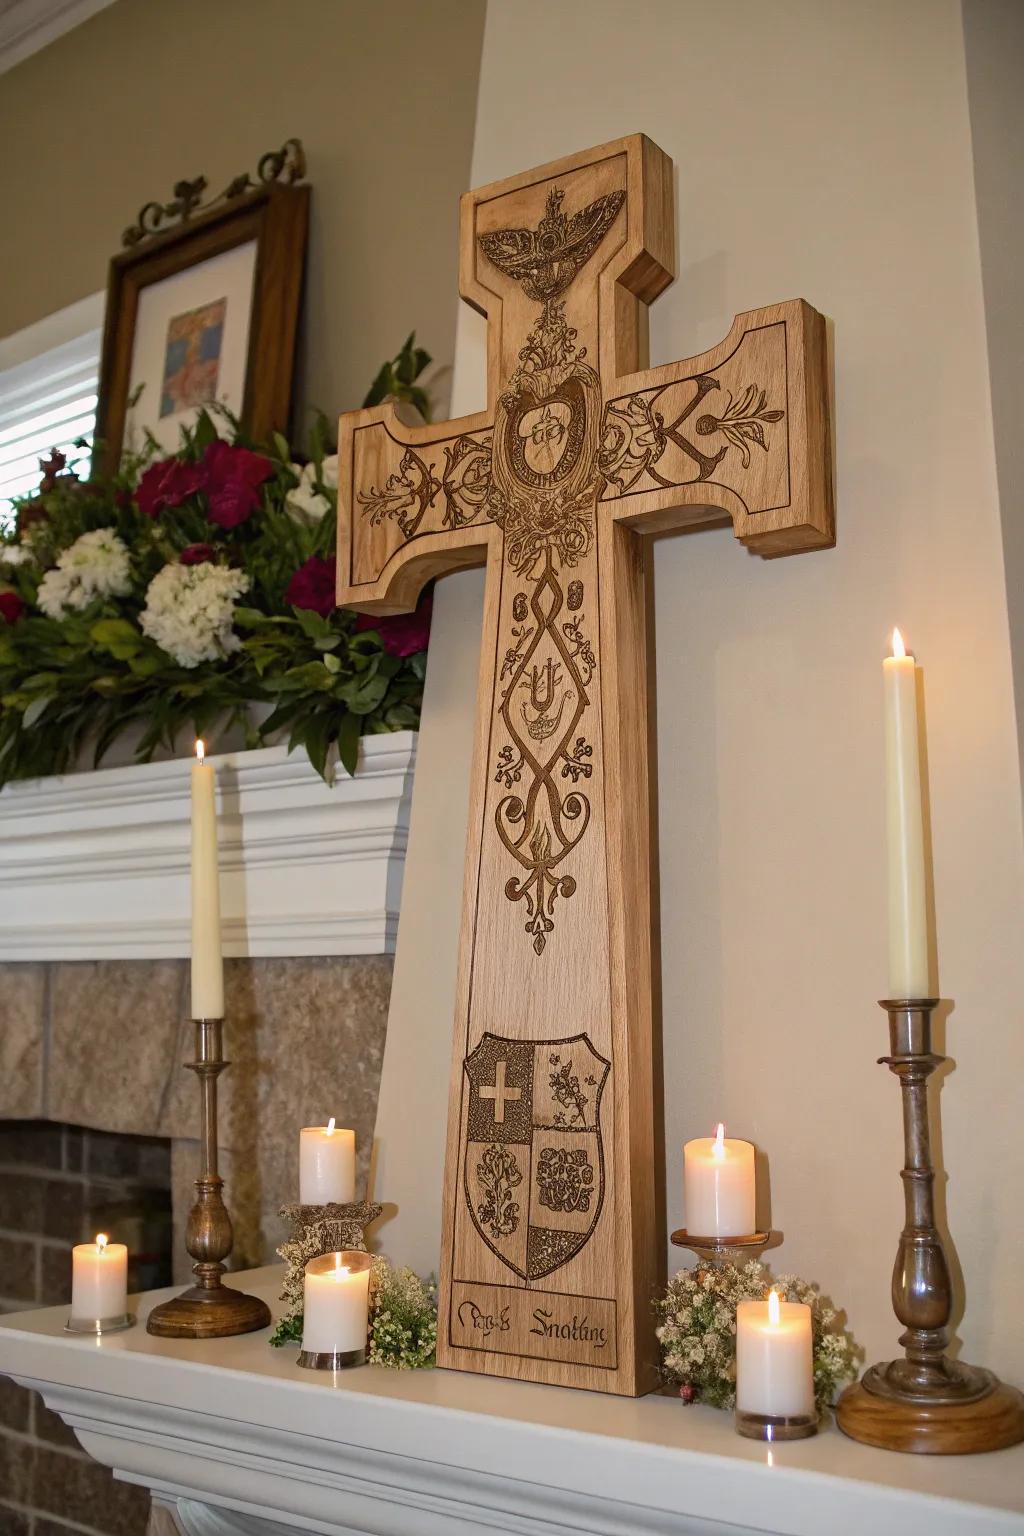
{"points": [[28, 25], [236, 1440], [96, 865]]}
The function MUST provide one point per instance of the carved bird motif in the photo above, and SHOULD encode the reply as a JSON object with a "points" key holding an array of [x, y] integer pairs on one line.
{"points": [[546, 259]]}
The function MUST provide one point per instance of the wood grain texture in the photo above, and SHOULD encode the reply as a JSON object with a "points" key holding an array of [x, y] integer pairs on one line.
{"points": [[990, 1424], [551, 1249], [277, 218]]}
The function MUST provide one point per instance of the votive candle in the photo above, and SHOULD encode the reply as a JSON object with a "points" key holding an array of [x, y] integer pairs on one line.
{"points": [[774, 1359], [99, 1280], [327, 1165], [718, 1186], [336, 1303]]}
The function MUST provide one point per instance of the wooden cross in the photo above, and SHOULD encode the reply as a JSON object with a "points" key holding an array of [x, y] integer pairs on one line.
{"points": [[551, 1219], [500, 1092]]}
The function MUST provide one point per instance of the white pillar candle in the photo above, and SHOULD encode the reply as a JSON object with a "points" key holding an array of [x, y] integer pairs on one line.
{"points": [[336, 1300], [327, 1165], [207, 959], [99, 1280], [718, 1186], [774, 1358], [908, 931]]}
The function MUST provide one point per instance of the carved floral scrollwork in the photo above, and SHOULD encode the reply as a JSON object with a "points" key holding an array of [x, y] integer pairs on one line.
{"points": [[405, 495]]}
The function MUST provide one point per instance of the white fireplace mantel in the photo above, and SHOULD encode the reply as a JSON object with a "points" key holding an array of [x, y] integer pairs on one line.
{"points": [[96, 865], [236, 1440]]}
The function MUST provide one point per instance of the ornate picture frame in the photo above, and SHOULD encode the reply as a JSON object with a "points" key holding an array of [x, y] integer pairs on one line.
{"points": [[203, 306]]}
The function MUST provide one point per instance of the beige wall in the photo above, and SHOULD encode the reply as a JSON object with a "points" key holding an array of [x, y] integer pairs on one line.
{"points": [[143, 94], [823, 149]]}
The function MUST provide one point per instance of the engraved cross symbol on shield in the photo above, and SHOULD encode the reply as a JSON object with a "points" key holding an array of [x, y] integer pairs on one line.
{"points": [[534, 1172]]}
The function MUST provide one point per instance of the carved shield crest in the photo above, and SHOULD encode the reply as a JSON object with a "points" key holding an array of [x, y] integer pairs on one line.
{"points": [[534, 1170]]}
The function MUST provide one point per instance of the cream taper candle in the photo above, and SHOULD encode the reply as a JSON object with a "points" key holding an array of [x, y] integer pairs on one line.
{"points": [[718, 1186], [774, 1358], [908, 929], [327, 1165], [207, 958], [99, 1280]]}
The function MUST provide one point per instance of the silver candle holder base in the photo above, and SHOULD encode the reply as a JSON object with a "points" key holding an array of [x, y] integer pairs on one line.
{"points": [[98, 1326], [331, 1359], [773, 1426]]}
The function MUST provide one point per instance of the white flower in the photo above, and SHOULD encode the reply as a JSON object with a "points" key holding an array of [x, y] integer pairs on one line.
{"points": [[14, 554], [305, 504], [96, 565], [190, 609]]}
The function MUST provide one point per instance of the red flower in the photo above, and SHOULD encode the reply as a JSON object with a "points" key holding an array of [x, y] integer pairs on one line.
{"points": [[11, 607], [231, 479], [688, 1393], [197, 554], [167, 484], [50, 468], [313, 586], [402, 634]]}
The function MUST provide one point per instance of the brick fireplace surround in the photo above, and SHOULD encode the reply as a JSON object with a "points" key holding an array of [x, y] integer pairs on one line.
{"points": [[90, 1056]]}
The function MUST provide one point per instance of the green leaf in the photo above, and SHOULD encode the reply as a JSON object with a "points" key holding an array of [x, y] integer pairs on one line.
{"points": [[118, 637], [36, 710], [283, 447], [364, 696], [348, 742], [312, 674], [312, 624], [205, 431], [332, 663]]}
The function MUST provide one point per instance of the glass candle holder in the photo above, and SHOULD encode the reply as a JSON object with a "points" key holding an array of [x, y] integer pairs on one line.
{"points": [[336, 1310]]}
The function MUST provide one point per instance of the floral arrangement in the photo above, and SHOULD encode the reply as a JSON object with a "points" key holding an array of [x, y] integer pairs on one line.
{"points": [[403, 1319], [697, 1331], [183, 591]]}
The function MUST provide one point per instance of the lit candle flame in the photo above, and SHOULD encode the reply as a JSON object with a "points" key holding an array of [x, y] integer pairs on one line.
{"points": [[330, 1126], [101, 1241], [774, 1314], [340, 1269], [899, 650], [201, 750], [718, 1145]]}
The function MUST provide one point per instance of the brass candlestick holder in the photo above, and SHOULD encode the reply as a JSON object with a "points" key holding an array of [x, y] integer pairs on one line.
{"points": [[209, 1309], [925, 1402]]}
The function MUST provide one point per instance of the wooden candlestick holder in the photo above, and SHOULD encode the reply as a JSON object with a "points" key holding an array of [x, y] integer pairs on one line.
{"points": [[925, 1402], [209, 1309]]}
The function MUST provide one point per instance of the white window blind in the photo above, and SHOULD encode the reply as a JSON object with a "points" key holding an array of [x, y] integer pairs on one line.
{"points": [[46, 403]]}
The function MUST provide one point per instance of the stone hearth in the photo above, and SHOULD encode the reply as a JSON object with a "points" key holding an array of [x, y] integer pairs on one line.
{"points": [[101, 1044]]}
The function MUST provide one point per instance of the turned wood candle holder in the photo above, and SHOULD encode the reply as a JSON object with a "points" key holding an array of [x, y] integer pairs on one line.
{"points": [[208, 1309], [925, 1402]]}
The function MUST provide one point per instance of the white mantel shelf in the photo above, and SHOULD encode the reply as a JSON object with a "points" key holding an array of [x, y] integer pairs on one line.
{"points": [[96, 864], [235, 1438]]}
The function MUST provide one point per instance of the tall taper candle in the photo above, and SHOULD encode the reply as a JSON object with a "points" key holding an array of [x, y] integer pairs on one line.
{"points": [[207, 960], [908, 930]]}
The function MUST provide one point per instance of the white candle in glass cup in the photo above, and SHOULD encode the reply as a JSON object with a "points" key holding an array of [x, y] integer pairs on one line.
{"points": [[99, 1280], [336, 1303], [718, 1186], [327, 1165], [774, 1359]]}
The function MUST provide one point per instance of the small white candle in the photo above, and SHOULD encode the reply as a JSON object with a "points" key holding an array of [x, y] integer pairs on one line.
{"points": [[774, 1358], [718, 1186], [908, 931], [99, 1280], [327, 1165], [336, 1298], [207, 958]]}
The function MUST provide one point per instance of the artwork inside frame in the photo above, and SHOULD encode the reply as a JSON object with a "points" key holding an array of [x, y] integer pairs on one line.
{"points": [[203, 308]]}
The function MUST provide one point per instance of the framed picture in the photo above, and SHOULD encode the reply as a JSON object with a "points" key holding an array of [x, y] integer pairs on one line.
{"points": [[205, 312]]}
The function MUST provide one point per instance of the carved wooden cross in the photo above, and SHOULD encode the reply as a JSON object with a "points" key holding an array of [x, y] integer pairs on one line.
{"points": [[550, 1249]]}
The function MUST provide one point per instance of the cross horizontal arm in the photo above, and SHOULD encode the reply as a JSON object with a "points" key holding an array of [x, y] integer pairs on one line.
{"points": [[411, 505], [741, 430]]}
